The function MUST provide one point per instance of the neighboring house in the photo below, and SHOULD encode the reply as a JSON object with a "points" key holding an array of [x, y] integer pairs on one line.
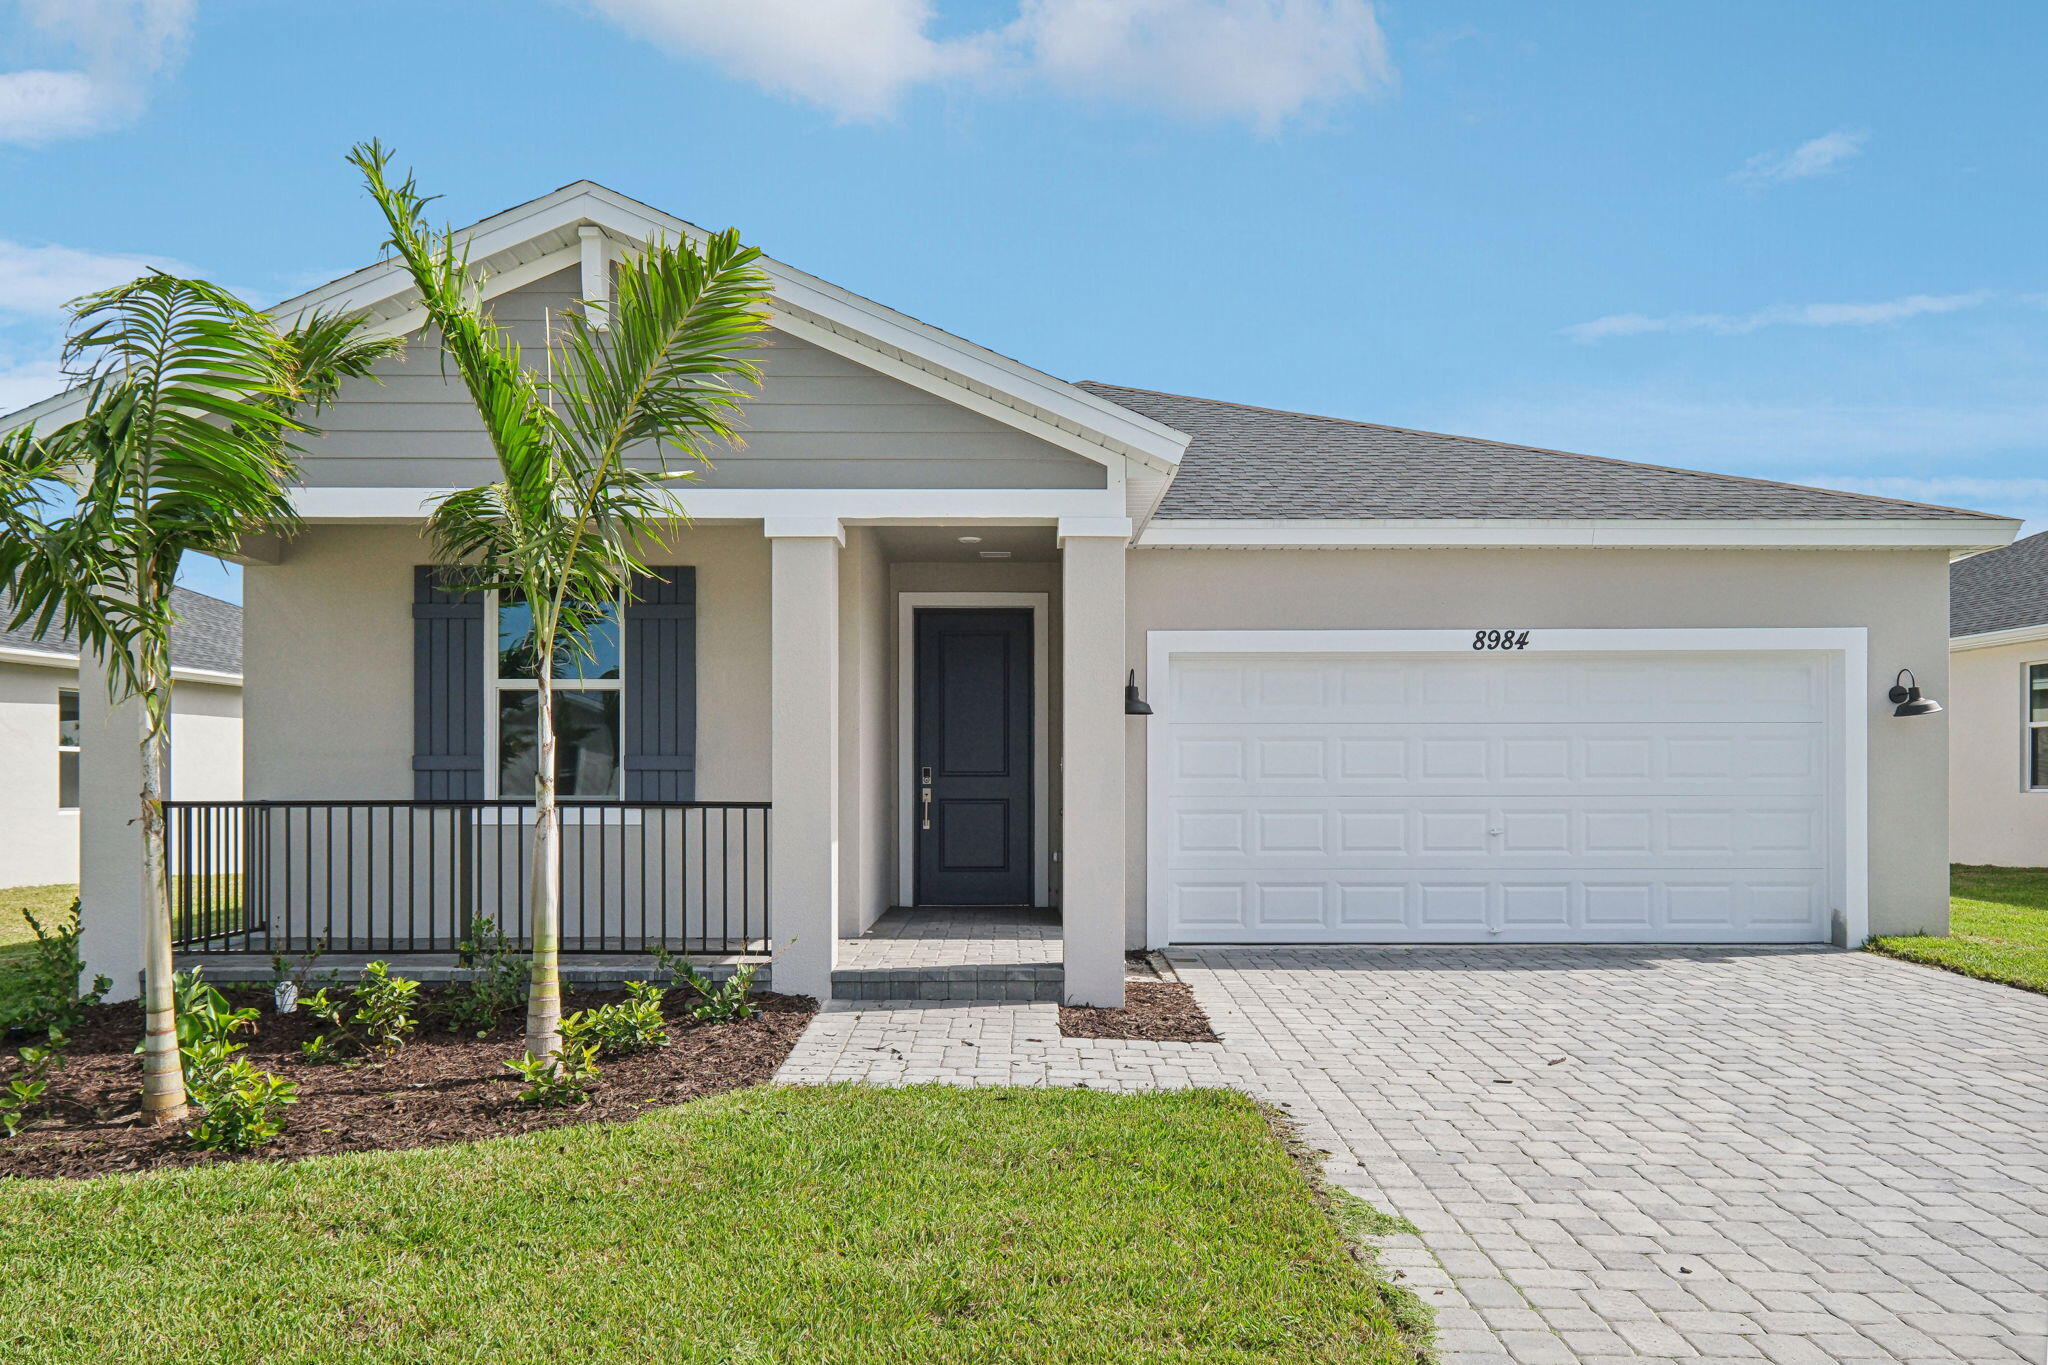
{"points": [[1403, 687], [40, 732], [1998, 704]]}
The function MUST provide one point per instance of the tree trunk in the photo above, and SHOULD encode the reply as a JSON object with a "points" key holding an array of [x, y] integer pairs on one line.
{"points": [[163, 1074], [544, 903]]}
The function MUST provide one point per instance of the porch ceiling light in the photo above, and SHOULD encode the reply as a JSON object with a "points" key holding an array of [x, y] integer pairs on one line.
{"points": [[970, 540], [1905, 695], [1134, 705]]}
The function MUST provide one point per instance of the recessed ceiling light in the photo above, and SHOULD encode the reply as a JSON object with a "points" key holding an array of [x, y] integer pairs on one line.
{"points": [[970, 540]]}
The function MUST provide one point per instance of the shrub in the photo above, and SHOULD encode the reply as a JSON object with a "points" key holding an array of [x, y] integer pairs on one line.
{"points": [[242, 1107], [496, 984], [717, 1002], [207, 1024], [373, 1016], [560, 1080], [48, 1000], [24, 1094], [631, 1025]]}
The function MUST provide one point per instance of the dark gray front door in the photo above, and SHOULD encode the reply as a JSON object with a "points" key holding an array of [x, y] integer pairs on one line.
{"points": [[973, 757]]}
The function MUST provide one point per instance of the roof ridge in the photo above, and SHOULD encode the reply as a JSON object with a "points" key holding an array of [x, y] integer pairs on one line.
{"points": [[1708, 474]]}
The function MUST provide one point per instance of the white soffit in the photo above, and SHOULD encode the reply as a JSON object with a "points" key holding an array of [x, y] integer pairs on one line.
{"points": [[1954, 535]]}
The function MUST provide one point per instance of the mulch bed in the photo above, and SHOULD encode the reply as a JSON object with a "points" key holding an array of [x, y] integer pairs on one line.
{"points": [[441, 1087], [1154, 1011]]}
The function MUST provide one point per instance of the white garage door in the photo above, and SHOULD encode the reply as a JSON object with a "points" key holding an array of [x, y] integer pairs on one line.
{"points": [[1497, 798]]}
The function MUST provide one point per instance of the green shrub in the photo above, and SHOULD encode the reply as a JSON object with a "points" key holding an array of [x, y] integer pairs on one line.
{"points": [[372, 1016], [48, 1000], [242, 1107], [496, 984], [207, 1024], [563, 1079], [631, 1025], [24, 1093], [717, 1002]]}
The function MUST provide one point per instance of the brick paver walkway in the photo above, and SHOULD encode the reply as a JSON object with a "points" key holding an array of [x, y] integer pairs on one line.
{"points": [[1614, 1154]]}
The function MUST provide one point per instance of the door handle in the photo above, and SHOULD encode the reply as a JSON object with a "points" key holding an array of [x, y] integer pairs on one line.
{"points": [[924, 778]]}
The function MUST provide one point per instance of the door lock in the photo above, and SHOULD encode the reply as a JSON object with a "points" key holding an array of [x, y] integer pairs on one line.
{"points": [[924, 778]]}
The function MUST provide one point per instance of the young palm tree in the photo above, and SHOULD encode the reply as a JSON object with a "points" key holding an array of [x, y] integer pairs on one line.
{"points": [[184, 446], [570, 520]]}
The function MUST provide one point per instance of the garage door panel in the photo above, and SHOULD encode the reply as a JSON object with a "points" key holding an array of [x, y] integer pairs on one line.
{"points": [[1697, 905], [1587, 759], [1497, 799]]}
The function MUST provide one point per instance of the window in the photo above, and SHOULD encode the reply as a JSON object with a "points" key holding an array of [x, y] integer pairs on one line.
{"points": [[2037, 725], [587, 710], [67, 749]]}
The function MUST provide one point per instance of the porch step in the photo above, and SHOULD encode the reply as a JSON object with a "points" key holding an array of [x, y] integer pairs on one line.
{"points": [[1032, 983]]}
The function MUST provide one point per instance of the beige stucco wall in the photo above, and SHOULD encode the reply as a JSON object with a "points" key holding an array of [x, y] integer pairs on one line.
{"points": [[1993, 818], [1900, 597], [328, 640], [38, 838]]}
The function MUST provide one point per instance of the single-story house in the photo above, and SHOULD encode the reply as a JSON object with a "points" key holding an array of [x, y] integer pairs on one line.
{"points": [[40, 732], [1998, 706], [949, 631]]}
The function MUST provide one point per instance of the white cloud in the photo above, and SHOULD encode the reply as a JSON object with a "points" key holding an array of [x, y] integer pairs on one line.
{"points": [[1263, 61], [40, 280], [21, 385], [120, 47], [1777, 315], [1817, 156]]}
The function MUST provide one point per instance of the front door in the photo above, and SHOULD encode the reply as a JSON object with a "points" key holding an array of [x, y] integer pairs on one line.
{"points": [[973, 757]]}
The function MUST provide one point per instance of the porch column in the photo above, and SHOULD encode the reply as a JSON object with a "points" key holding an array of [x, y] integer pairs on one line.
{"points": [[110, 877], [803, 781], [1092, 757]]}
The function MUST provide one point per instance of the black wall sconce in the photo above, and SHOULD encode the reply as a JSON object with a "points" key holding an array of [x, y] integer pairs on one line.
{"points": [[1134, 705], [1905, 695]]}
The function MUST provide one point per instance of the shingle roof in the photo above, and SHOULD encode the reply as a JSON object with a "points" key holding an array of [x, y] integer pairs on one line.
{"points": [[2000, 590], [208, 634], [1248, 463]]}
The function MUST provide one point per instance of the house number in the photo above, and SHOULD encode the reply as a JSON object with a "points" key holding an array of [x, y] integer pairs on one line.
{"points": [[1500, 639]]}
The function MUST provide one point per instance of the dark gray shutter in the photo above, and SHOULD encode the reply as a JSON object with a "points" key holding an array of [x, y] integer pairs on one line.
{"points": [[661, 687], [447, 691]]}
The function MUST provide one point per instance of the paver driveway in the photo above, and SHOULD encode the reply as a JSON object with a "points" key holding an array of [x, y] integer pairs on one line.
{"points": [[1662, 1154]]}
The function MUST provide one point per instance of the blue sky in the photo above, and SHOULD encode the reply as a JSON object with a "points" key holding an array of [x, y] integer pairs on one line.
{"points": [[1794, 241]]}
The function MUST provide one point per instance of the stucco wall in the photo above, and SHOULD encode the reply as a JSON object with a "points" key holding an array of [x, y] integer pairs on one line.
{"points": [[1992, 816], [328, 640], [1901, 597]]}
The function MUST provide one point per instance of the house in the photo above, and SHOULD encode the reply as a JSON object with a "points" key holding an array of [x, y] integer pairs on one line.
{"points": [[1998, 706], [40, 703], [950, 631]]}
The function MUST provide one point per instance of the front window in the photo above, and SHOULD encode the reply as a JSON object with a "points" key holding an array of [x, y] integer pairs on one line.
{"points": [[587, 711], [2037, 725], [67, 749]]}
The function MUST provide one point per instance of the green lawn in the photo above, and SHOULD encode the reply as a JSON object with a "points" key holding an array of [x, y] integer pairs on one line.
{"points": [[845, 1225], [1998, 928], [50, 904]]}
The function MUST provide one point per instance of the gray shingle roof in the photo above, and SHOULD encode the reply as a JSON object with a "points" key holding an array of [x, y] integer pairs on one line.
{"points": [[2000, 590], [208, 634], [1258, 463]]}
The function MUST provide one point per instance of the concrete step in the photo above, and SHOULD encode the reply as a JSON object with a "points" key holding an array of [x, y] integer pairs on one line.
{"points": [[1039, 983]]}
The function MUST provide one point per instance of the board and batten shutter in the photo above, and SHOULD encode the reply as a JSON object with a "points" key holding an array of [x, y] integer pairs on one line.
{"points": [[661, 686], [448, 691]]}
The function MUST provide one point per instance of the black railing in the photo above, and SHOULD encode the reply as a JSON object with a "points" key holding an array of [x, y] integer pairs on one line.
{"points": [[394, 877]]}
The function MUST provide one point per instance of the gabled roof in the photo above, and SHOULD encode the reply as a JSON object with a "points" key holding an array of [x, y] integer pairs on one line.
{"points": [[2004, 590], [207, 638], [546, 235], [1251, 463]]}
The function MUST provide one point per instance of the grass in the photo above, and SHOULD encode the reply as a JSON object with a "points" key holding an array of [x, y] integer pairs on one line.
{"points": [[50, 904], [1998, 928], [847, 1225]]}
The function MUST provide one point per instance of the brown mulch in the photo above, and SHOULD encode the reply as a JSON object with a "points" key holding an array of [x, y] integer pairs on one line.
{"points": [[441, 1087], [1154, 1011]]}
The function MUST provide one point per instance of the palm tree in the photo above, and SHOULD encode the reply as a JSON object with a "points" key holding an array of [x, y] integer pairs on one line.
{"points": [[184, 446], [570, 520]]}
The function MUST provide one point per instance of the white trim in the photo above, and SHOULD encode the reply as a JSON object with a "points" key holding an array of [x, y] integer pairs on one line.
{"points": [[37, 658], [804, 528], [907, 607], [1948, 533], [2027, 726], [1117, 528], [594, 252], [856, 506], [1990, 639], [1849, 723]]}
